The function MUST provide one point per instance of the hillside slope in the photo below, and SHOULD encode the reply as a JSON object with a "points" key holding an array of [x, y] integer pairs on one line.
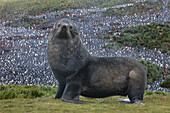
{"points": [[34, 7]]}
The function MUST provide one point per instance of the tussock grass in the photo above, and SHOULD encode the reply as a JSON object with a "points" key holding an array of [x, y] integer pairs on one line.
{"points": [[41, 99], [14, 91], [166, 82]]}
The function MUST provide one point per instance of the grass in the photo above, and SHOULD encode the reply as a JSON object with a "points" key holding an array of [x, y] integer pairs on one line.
{"points": [[9, 8], [156, 102], [166, 82], [24, 21], [154, 72], [154, 35], [137, 8], [14, 91]]}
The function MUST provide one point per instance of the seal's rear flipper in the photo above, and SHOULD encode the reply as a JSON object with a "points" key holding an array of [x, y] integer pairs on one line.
{"points": [[123, 100], [126, 100]]}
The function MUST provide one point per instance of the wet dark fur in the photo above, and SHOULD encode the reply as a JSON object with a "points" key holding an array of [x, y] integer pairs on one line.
{"points": [[103, 77], [87, 75]]}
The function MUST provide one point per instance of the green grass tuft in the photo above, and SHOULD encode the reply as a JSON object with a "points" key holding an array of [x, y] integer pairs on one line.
{"points": [[166, 82], [154, 35], [14, 91], [156, 93], [154, 72]]}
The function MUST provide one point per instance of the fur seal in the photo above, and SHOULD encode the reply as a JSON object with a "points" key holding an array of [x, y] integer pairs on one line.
{"points": [[107, 76], [66, 52], [87, 75]]}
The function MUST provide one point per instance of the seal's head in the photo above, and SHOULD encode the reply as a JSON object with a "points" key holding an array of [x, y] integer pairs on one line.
{"points": [[65, 29]]}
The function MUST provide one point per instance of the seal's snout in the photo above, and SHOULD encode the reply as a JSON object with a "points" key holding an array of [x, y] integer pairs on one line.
{"points": [[64, 31], [64, 27]]}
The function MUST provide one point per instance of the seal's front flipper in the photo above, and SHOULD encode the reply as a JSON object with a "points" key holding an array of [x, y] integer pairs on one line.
{"points": [[60, 91], [71, 93], [137, 102], [72, 101]]}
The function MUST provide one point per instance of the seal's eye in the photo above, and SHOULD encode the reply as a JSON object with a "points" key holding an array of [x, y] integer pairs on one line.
{"points": [[71, 27], [59, 25]]}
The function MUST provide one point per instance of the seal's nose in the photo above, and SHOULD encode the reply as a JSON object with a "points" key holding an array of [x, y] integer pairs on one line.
{"points": [[64, 26]]}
